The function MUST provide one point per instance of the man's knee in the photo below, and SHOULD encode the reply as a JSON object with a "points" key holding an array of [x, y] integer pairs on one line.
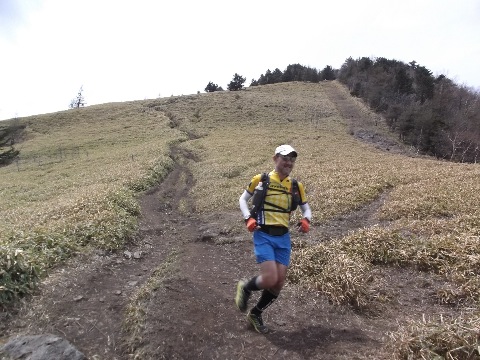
{"points": [[269, 280], [277, 287]]}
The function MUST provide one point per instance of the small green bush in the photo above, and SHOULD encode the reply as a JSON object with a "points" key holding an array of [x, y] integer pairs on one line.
{"points": [[17, 275]]}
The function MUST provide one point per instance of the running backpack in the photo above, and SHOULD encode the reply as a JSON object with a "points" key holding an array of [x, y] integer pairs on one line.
{"points": [[260, 193]]}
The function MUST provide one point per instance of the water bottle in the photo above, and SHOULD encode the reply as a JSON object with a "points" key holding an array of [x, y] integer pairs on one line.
{"points": [[257, 196]]}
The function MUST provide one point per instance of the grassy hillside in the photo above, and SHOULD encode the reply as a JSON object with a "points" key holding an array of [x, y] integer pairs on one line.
{"points": [[74, 187]]}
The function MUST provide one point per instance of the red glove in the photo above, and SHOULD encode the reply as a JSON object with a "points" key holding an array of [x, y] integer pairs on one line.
{"points": [[251, 224], [303, 225]]}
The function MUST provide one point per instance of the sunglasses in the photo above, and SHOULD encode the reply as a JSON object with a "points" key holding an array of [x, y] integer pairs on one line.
{"points": [[288, 158]]}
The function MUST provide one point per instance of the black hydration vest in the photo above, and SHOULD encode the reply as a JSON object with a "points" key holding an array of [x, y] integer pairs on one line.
{"points": [[258, 199]]}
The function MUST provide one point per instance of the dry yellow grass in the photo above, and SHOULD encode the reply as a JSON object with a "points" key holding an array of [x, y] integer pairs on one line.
{"points": [[439, 338], [135, 315], [341, 276]]}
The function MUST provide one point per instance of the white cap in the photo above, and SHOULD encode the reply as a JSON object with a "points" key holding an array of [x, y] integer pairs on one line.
{"points": [[285, 150]]}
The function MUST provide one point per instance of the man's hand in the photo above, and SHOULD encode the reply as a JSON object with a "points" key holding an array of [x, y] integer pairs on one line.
{"points": [[303, 225], [251, 224]]}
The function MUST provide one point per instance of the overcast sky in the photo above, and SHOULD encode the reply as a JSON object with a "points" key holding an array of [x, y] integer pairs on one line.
{"points": [[131, 50]]}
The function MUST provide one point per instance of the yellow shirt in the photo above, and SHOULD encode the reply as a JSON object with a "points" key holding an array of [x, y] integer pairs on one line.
{"points": [[278, 199]]}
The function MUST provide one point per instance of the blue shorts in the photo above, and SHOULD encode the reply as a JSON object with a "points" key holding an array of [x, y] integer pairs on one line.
{"points": [[268, 247]]}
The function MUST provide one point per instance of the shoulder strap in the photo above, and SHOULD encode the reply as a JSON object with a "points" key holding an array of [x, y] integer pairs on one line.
{"points": [[294, 185], [295, 195], [259, 195], [265, 177]]}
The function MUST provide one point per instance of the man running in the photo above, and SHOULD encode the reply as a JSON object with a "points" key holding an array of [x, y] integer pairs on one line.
{"points": [[269, 222]]}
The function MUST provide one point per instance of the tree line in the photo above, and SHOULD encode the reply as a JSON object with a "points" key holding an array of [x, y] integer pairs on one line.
{"points": [[431, 113], [295, 72]]}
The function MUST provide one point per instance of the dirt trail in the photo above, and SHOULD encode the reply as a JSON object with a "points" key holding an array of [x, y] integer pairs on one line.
{"points": [[363, 125], [190, 314]]}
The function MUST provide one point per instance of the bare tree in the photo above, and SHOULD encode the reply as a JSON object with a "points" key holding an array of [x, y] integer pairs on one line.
{"points": [[78, 101]]}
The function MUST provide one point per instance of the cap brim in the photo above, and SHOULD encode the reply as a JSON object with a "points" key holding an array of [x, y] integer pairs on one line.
{"points": [[284, 153]]}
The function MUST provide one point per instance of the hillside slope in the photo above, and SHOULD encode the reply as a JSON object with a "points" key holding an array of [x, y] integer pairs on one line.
{"points": [[169, 293]]}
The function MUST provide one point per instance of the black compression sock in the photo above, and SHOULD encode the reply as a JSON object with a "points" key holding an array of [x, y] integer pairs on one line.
{"points": [[251, 285], [255, 311], [265, 301]]}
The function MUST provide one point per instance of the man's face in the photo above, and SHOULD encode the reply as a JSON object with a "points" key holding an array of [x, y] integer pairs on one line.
{"points": [[284, 164]]}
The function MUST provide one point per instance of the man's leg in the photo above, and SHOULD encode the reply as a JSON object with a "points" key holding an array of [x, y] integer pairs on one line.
{"points": [[268, 278], [244, 290], [271, 281], [265, 255], [269, 295]]}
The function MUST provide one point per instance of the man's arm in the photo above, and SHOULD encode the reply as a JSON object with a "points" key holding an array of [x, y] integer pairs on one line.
{"points": [[307, 213], [304, 224], [243, 201]]}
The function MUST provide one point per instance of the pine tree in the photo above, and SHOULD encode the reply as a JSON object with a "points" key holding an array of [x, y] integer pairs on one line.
{"points": [[327, 73], [211, 87], [236, 83]]}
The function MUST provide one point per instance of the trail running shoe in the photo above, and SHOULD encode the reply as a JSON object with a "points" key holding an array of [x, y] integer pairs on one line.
{"points": [[241, 298], [257, 322]]}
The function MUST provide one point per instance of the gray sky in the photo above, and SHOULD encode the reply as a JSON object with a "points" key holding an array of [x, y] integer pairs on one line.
{"points": [[122, 50]]}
